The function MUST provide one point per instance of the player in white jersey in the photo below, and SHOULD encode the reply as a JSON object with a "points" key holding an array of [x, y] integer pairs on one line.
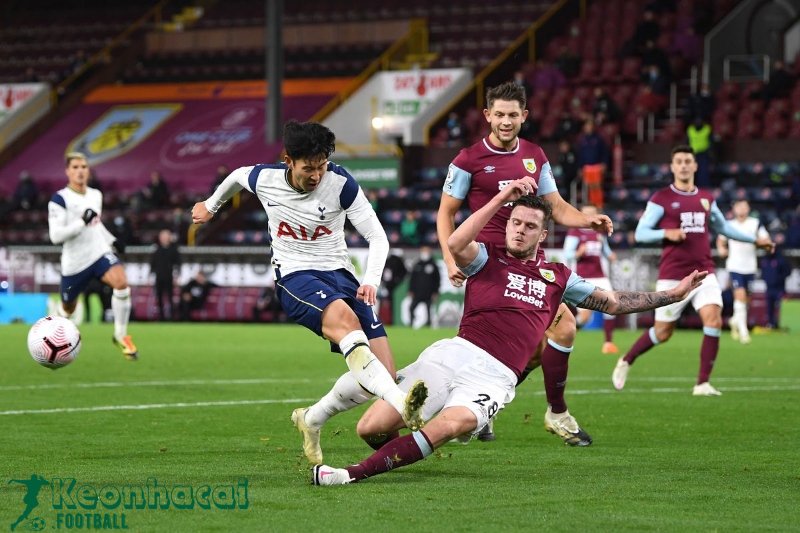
{"points": [[307, 200], [88, 249], [741, 264]]}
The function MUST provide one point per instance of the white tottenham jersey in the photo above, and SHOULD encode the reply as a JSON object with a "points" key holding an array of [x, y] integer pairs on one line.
{"points": [[742, 255], [83, 245], [307, 229]]}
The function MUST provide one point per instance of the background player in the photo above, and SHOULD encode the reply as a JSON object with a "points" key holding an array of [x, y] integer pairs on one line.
{"points": [[475, 176], [88, 249], [741, 264], [511, 299], [680, 216], [586, 247], [307, 199]]}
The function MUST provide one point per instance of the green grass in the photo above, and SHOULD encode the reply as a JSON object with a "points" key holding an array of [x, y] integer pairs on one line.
{"points": [[662, 460]]}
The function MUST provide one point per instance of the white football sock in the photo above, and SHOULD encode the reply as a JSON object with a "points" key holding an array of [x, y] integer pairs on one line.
{"points": [[369, 371], [345, 394], [740, 316], [121, 307]]}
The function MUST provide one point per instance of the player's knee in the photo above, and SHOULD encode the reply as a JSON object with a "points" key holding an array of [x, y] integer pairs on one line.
{"points": [[663, 334], [564, 332], [69, 307], [713, 322]]}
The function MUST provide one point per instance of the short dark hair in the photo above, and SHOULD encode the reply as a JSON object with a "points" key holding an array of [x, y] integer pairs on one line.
{"points": [[535, 202], [681, 149], [506, 91], [308, 140]]}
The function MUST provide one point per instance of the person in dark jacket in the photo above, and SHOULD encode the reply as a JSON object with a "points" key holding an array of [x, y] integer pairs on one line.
{"points": [[194, 295], [424, 284], [775, 268], [165, 263]]}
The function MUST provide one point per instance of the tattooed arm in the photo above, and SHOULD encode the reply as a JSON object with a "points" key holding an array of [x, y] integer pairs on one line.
{"points": [[621, 302]]}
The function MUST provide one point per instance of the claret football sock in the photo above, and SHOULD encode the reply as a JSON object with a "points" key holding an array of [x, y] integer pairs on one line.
{"points": [[555, 366], [647, 340], [401, 451], [708, 353]]}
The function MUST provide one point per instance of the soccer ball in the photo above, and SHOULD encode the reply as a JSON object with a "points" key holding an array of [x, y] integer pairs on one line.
{"points": [[54, 342]]}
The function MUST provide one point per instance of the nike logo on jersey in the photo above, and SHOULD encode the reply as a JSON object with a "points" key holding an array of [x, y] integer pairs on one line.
{"points": [[375, 326]]}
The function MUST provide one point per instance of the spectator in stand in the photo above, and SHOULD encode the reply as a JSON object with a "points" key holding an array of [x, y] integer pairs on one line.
{"points": [[372, 196], [423, 287], [647, 30], [268, 302], [25, 197], [605, 109], [222, 173], [701, 104], [455, 130], [779, 85], [688, 44], [593, 157], [655, 95], [699, 136], [568, 166], [567, 64], [394, 273], [409, 228], [194, 295], [122, 230], [775, 268], [165, 264], [546, 77], [653, 55], [519, 79], [156, 194], [567, 127]]}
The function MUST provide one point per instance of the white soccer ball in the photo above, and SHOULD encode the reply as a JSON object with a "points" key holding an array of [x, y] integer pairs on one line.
{"points": [[54, 342]]}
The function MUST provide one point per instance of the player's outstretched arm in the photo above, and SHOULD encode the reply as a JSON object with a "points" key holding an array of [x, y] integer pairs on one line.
{"points": [[235, 182], [462, 242], [566, 215], [621, 302], [445, 226]]}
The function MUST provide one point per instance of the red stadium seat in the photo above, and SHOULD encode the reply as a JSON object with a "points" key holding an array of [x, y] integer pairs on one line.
{"points": [[631, 69], [610, 70], [589, 71]]}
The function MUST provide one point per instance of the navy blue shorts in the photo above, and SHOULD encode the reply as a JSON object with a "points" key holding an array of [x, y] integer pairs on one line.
{"points": [[72, 286], [304, 296], [742, 280]]}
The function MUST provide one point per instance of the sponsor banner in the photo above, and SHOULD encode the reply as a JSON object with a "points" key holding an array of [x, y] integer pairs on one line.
{"points": [[406, 94], [15, 95], [373, 173], [21, 105], [184, 139]]}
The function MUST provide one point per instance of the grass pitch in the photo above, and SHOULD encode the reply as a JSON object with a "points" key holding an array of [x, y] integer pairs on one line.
{"points": [[207, 407]]}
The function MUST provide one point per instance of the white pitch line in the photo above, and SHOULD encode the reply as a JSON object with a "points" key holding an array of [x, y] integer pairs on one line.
{"points": [[162, 383], [145, 406], [262, 381], [141, 407]]}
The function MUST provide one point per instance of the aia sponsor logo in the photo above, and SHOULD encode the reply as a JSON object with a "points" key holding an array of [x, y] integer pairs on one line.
{"points": [[301, 233]]}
